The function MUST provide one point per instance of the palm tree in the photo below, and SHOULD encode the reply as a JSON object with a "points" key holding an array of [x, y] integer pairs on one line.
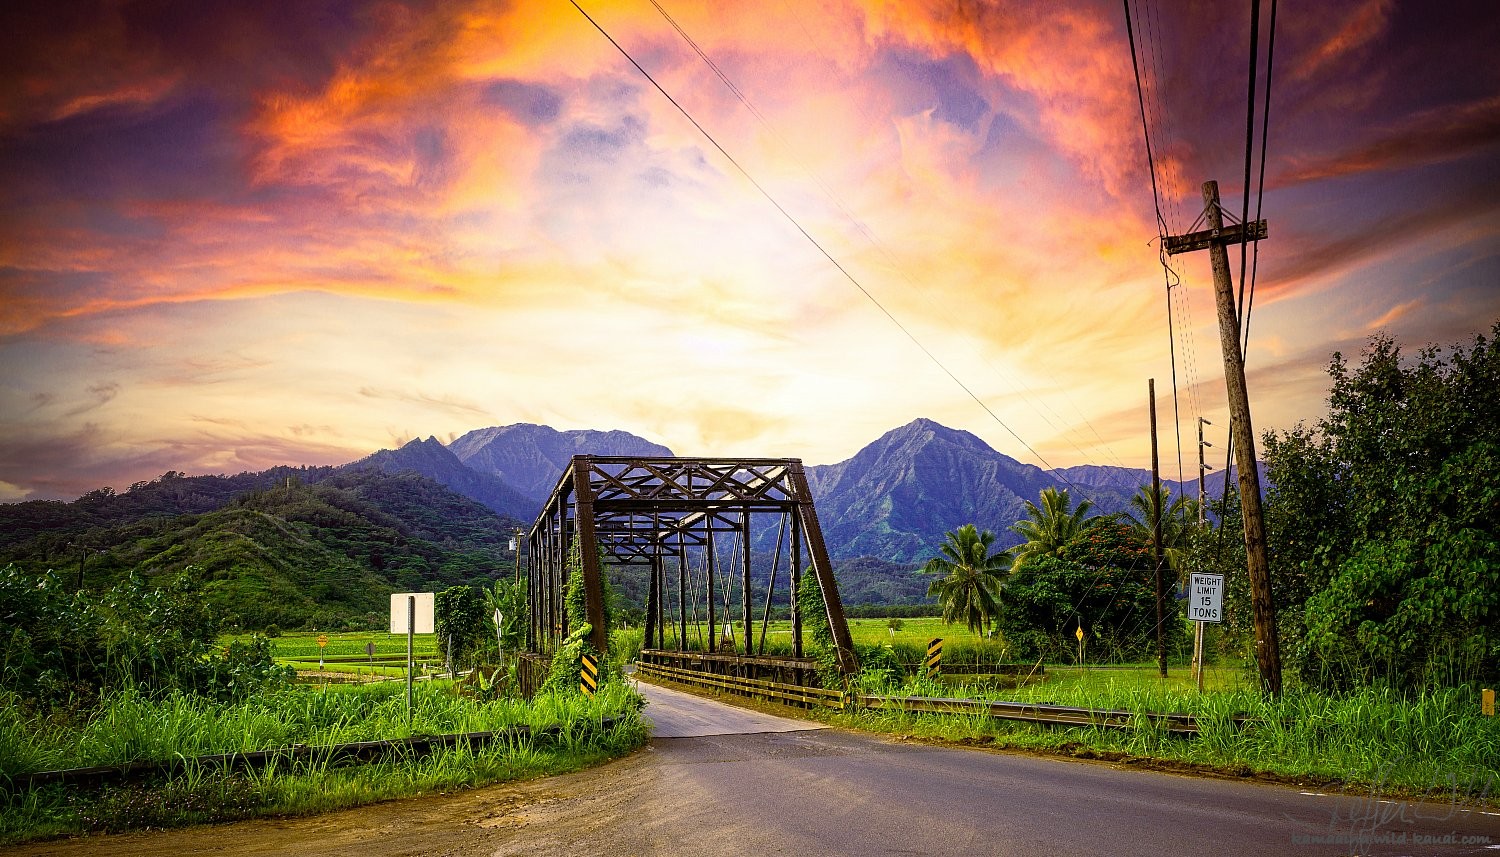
{"points": [[972, 577], [1049, 528], [1179, 519]]}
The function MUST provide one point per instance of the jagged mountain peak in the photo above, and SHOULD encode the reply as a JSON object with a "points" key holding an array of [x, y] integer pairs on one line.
{"points": [[530, 457], [432, 459]]}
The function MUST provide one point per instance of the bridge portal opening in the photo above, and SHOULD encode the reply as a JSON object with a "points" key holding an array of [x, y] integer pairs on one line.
{"points": [[674, 516]]}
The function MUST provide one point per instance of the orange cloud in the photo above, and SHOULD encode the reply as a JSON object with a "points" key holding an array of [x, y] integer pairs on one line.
{"points": [[1432, 136], [1361, 27], [1070, 61]]}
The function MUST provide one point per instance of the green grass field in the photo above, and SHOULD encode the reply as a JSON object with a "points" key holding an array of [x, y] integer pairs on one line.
{"points": [[299, 650]]}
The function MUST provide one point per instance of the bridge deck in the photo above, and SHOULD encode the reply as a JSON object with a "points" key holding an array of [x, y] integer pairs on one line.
{"points": [[674, 714]]}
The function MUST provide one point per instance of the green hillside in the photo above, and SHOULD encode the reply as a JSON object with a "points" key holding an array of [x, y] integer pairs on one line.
{"points": [[323, 555]]}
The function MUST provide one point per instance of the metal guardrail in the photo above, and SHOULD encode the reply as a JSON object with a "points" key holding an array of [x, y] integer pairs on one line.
{"points": [[1028, 712], [747, 686], [1060, 715], [330, 753]]}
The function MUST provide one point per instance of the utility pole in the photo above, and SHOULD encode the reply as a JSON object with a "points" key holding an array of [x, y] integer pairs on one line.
{"points": [[1262, 605], [1202, 471], [1202, 519], [1161, 589]]}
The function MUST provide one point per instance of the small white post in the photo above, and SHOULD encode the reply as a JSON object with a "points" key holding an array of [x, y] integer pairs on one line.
{"points": [[411, 633]]}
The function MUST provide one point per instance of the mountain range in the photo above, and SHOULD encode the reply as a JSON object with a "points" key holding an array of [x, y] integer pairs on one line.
{"points": [[321, 546], [893, 500]]}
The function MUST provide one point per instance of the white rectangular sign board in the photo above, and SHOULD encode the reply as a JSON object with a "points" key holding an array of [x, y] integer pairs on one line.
{"points": [[1206, 600], [400, 606]]}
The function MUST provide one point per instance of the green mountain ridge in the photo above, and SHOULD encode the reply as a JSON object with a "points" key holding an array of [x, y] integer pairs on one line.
{"points": [[290, 554]]}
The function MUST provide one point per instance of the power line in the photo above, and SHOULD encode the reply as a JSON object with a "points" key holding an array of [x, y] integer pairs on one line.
{"points": [[1145, 127], [1148, 24], [1265, 127], [1162, 230], [1250, 128], [1249, 137], [811, 240], [1028, 396]]}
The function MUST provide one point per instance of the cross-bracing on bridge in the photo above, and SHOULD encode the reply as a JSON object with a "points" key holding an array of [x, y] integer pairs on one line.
{"points": [[662, 512]]}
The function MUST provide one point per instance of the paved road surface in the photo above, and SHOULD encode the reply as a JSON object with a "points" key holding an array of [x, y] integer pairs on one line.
{"points": [[806, 790], [674, 714]]}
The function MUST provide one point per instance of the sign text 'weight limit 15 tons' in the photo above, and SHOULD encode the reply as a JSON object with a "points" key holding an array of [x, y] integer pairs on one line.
{"points": [[1206, 601]]}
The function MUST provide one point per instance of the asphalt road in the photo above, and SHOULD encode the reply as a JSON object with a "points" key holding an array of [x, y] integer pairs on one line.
{"points": [[792, 787]]}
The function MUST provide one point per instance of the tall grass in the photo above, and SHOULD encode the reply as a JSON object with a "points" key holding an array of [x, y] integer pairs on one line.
{"points": [[1431, 742], [129, 728]]}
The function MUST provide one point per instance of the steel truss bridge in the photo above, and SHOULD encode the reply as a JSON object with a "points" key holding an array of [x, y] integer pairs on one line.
{"points": [[668, 514]]}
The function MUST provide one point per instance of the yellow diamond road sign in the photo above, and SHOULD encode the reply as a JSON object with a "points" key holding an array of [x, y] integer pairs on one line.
{"points": [[322, 640]]}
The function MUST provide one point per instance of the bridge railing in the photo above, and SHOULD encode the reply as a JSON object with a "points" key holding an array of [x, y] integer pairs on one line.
{"points": [[762, 688], [808, 697], [785, 670]]}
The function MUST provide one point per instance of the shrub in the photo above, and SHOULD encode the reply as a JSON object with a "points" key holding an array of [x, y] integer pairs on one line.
{"points": [[69, 648]]}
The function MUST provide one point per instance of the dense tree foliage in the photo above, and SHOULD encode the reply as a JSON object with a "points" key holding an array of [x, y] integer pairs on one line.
{"points": [[60, 647], [460, 618], [1382, 520], [1179, 523], [1051, 526], [321, 554], [1101, 580]]}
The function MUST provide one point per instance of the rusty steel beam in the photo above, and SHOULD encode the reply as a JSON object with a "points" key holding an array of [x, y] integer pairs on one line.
{"points": [[711, 566], [648, 638], [588, 549], [796, 585], [641, 510], [746, 604], [682, 584], [837, 625]]}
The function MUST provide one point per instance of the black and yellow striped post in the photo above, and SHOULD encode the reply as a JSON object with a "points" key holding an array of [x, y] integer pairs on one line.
{"points": [[935, 657], [589, 677]]}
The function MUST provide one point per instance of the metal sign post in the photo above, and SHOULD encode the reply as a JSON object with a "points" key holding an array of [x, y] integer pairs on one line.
{"points": [[411, 625], [499, 644], [1206, 604], [322, 644], [411, 612]]}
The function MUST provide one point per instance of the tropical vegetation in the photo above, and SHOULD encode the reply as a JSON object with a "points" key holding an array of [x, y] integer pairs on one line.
{"points": [[1179, 522], [969, 578], [1383, 521], [291, 547], [1051, 526]]}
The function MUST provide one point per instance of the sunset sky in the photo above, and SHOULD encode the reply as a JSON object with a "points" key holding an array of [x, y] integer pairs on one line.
{"points": [[244, 234]]}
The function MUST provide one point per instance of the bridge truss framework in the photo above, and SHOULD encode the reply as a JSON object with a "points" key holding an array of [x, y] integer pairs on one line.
{"points": [[657, 512]]}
